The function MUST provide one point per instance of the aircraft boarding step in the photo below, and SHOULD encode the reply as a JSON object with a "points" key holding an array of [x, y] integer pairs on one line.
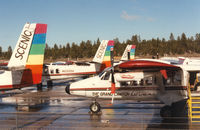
{"points": [[194, 104]]}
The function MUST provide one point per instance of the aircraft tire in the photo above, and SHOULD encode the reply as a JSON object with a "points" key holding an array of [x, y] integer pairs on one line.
{"points": [[95, 107], [166, 111]]}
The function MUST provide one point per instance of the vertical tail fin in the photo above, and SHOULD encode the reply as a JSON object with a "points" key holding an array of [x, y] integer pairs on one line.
{"points": [[132, 52], [36, 54], [103, 55], [21, 51], [129, 53], [100, 52]]}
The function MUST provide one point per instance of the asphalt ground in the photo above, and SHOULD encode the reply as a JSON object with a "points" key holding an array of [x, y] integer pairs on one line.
{"points": [[54, 109]]}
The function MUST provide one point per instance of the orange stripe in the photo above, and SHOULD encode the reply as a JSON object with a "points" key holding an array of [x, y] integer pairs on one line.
{"points": [[36, 73], [105, 64]]}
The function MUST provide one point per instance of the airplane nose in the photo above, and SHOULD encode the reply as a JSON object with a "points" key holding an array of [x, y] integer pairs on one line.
{"points": [[67, 89]]}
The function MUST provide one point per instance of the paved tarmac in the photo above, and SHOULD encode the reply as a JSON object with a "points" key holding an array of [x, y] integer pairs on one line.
{"points": [[54, 109]]}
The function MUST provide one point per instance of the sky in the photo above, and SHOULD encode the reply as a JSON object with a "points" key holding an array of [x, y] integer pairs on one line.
{"points": [[80, 20]]}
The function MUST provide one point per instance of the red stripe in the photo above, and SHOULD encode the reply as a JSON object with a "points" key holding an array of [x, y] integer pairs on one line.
{"points": [[133, 47], [3, 87], [6, 86], [134, 88], [110, 43], [41, 28]]}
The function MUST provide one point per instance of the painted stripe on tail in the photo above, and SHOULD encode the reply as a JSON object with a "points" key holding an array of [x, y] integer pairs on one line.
{"points": [[36, 55], [107, 56], [129, 52]]}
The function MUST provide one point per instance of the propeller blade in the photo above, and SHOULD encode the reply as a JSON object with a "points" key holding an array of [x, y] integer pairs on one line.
{"points": [[164, 73], [113, 82], [112, 74]]}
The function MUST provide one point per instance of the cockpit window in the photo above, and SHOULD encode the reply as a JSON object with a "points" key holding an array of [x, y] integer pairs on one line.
{"points": [[101, 73], [105, 70], [107, 76]]}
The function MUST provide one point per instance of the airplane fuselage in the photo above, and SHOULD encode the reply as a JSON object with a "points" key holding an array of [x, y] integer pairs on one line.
{"points": [[137, 85], [53, 72]]}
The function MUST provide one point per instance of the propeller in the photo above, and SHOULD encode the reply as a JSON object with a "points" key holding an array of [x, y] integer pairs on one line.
{"points": [[113, 88]]}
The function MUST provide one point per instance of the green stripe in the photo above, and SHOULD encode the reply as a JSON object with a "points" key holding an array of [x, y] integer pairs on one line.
{"points": [[37, 49], [107, 53]]}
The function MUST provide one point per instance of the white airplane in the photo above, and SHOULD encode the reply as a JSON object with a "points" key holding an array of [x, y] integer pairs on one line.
{"points": [[76, 70], [26, 63], [138, 80]]}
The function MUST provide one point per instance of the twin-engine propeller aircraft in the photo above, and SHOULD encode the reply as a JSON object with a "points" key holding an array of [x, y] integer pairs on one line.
{"points": [[138, 80], [26, 63], [77, 70]]}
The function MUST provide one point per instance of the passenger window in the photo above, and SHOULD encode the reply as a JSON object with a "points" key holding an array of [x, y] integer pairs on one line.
{"points": [[57, 71], [174, 78], [51, 71], [148, 81]]}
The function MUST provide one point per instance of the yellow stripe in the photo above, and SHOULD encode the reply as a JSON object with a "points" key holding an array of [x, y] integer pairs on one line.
{"points": [[196, 116], [195, 121], [194, 112], [106, 58], [196, 102], [195, 97], [35, 60], [195, 107]]}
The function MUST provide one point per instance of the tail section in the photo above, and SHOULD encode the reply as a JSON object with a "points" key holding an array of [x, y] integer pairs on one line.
{"points": [[103, 55], [107, 55], [36, 55], [129, 53], [21, 51], [98, 58], [132, 52]]}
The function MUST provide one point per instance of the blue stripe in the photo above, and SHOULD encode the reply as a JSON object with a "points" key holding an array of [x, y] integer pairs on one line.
{"points": [[132, 50], [39, 38], [108, 48]]}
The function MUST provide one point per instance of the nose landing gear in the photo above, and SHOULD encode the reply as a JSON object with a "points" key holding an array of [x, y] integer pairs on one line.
{"points": [[95, 107]]}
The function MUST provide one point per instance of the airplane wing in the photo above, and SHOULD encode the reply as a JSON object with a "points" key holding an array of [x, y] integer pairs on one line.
{"points": [[147, 64]]}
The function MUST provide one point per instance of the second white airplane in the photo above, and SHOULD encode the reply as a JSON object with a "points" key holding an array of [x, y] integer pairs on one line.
{"points": [[98, 64]]}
